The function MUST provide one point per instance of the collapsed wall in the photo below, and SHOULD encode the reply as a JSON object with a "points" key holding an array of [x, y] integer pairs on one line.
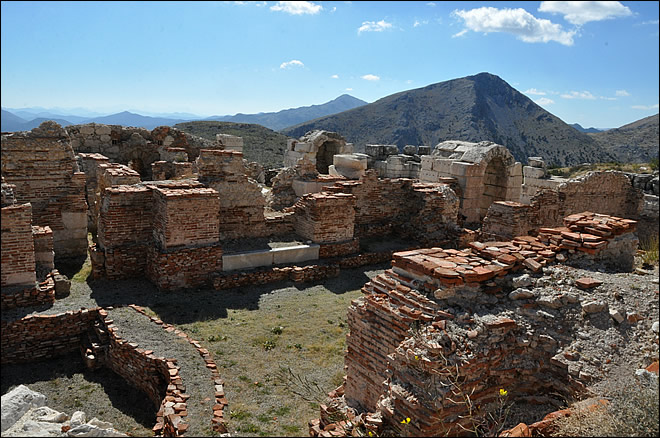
{"points": [[443, 325], [138, 147], [421, 211], [607, 192], [41, 165]]}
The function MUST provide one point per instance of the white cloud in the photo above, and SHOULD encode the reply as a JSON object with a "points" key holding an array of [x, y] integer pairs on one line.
{"points": [[349, 89], [535, 92], [621, 93], [645, 107], [579, 13], [607, 98], [292, 63], [544, 101], [430, 4], [418, 23], [517, 22], [297, 8], [335, 76], [370, 77], [578, 95], [373, 26]]}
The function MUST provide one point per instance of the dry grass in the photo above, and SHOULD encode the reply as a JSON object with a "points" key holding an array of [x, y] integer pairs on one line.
{"points": [[649, 247], [632, 411], [301, 329]]}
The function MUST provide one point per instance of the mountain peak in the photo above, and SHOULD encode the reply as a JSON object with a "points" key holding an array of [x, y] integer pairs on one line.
{"points": [[473, 108]]}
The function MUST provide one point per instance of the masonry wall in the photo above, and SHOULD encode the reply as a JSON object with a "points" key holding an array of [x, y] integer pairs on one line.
{"points": [[41, 164], [125, 230], [422, 211], [241, 201], [41, 337], [18, 264], [44, 256], [325, 217]]}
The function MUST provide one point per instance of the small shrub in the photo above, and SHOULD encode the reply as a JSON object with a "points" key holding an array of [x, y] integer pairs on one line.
{"points": [[650, 250]]}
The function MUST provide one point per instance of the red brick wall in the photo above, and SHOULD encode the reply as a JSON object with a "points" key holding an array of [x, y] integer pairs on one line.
{"points": [[18, 265]]}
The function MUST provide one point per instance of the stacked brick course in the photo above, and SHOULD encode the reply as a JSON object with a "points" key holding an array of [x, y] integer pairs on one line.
{"points": [[41, 164], [241, 201], [325, 217], [18, 264], [40, 337]]}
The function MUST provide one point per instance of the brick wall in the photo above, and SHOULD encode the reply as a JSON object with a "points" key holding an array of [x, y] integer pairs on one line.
{"points": [[41, 337], [185, 217], [241, 201], [183, 268], [18, 264], [325, 217], [44, 256]]}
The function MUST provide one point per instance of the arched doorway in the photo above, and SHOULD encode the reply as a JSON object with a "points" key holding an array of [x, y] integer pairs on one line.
{"points": [[324, 155], [495, 184]]}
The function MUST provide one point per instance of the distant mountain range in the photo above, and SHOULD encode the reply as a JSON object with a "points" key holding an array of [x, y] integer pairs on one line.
{"points": [[473, 108], [636, 142], [289, 117], [586, 130], [24, 119]]}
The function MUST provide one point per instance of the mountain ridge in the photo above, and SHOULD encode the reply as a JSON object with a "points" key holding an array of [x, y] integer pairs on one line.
{"points": [[635, 142], [473, 108], [293, 116]]}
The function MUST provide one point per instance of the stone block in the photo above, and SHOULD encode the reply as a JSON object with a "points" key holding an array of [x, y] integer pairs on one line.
{"points": [[536, 162], [459, 168], [515, 170], [533, 172], [427, 162], [429, 176], [295, 254], [443, 166], [246, 260]]}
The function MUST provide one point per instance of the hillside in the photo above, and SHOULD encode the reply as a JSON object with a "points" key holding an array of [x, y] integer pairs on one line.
{"points": [[293, 116], [636, 142], [474, 108], [260, 144], [11, 122]]}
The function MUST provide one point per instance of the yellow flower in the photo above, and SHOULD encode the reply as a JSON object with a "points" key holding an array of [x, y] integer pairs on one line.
{"points": [[503, 392], [416, 357], [406, 421], [370, 433]]}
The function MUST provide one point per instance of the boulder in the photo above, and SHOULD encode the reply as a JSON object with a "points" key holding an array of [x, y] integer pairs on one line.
{"points": [[17, 402]]}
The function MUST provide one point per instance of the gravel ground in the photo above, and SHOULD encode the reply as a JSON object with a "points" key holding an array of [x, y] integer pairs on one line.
{"points": [[138, 328]]}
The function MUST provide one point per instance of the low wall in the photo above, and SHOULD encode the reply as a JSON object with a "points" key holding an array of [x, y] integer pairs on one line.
{"points": [[41, 293], [41, 337]]}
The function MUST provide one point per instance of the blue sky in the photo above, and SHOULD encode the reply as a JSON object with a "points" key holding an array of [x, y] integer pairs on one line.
{"points": [[593, 63]]}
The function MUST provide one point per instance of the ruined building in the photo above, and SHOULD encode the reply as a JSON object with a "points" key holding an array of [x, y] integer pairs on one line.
{"points": [[184, 213]]}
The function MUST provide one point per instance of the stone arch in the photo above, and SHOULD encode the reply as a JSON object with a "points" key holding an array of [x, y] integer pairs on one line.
{"points": [[326, 151], [495, 183]]}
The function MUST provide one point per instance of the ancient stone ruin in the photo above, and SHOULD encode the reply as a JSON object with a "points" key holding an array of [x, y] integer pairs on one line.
{"points": [[184, 212]]}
